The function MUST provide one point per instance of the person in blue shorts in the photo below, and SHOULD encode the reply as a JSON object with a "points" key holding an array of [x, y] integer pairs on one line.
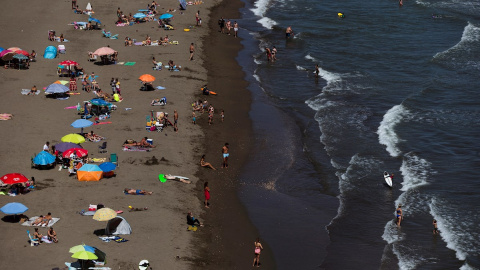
{"points": [[225, 155]]}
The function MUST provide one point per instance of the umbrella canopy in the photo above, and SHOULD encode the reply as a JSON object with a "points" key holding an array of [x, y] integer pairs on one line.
{"points": [[13, 178], [64, 146], [146, 78], [14, 49], [84, 255], [166, 16], [1, 49], [94, 20], [104, 51], [61, 82], [14, 208], [68, 63], [82, 247], [81, 123], [5, 52], [104, 214], [56, 88], [22, 52], [20, 57], [89, 172], [139, 16], [107, 166], [73, 138], [7, 55], [80, 152], [44, 158], [100, 102]]}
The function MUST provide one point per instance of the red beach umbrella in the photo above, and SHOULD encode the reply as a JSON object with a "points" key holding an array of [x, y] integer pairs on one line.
{"points": [[13, 178], [22, 52], [80, 152], [68, 63]]}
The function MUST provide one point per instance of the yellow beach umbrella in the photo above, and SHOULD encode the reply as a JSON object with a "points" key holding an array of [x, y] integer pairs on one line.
{"points": [[73, 138], [104, 214], [84, 255], [62, 82]]}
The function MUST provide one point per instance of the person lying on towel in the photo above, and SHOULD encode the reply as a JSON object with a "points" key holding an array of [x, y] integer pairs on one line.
{"points": [[131, 191]]}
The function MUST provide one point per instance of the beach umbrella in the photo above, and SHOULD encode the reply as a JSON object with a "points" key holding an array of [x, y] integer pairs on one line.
{"points": [[81, 123], [64, 146], [20, 57], [94, 20], [14, 208], [104, 51], [5, 52], [162, 178], [14, 49], [68, 63], [56, 88], [89, 172], [44, 158], [22, 52], [80, 152], [13, 178], [166, 16], [61, 82], [139, 16], [82, 247], [146, 78], [2, 49], [84, 255], [7, 55], [104, 214], [107, 166], [73, 138], [100, 102]]}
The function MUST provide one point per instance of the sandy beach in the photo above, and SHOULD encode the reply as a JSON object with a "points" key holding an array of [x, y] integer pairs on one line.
{"points": [[160, 234]]}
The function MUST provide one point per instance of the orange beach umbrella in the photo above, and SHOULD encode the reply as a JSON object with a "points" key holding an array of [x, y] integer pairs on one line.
{"points": [[147, 78], [89, 172]]}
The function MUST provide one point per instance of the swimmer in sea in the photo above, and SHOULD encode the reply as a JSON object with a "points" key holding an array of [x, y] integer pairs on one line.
{"points": [[435, 228], [288, 32], [399, 214]]}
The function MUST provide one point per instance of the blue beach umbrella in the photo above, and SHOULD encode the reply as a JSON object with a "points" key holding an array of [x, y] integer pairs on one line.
{"points": [[2, 49], [64, 146], [81, 123], [44, 158], [14, 208], [100, 102], [56, 88], [107, 166], [90, 168], [143, 10], [139, 16], [166, 16], [78, 248], [94, 20]]}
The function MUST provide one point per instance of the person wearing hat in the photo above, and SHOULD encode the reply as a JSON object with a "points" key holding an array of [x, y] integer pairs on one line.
{"points": [[399, 215]]}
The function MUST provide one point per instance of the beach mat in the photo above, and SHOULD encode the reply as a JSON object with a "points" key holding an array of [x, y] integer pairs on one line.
{"points": [[129, 63], [32, 219], [136, 149], [26, 91]]}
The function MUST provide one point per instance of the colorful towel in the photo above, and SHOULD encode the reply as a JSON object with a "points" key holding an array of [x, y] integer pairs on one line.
{"points": [[130, 63]]}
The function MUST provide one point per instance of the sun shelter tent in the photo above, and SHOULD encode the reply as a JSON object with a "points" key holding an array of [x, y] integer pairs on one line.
{"points": [[183, 4], [118, 225], [50, 52]]}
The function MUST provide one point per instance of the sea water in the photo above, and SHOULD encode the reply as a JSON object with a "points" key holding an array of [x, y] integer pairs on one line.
{"points": [[398, 91]]}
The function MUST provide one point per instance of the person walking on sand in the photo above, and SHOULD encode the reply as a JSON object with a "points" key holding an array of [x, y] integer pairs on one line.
{"points": [[206, 191], [258, 250], [222, 115], [197, 17], [225, 155], [399, 214], [175, 120], [235, 29], [192, 50]]}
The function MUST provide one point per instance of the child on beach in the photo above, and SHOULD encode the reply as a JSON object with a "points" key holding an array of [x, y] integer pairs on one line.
{"points": [[206, 190], [194, 118]]}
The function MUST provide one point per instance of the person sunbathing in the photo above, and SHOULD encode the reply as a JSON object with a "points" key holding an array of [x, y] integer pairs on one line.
{"points": [[93, 137], [158, 102], [78, 10], [33, 91], [203, 163], [132, 209], [132, 191], [37, 221], [171, 177], [46, 220], [52, 235]]}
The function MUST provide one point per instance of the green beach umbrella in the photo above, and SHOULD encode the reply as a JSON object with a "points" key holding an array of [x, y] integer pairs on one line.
{"points": [[84, 255], [162, 178], [81, 247], [73, 138]]}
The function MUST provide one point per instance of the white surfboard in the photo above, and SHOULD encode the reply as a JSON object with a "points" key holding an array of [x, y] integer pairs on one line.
{"points": [[180, 177], [388, 179]]}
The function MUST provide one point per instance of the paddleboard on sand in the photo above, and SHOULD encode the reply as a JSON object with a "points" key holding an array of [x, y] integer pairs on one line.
{"points": [[388, 179], [180, 177]]}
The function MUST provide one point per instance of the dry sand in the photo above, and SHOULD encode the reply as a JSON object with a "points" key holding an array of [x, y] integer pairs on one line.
{"points": [[159, 234]]}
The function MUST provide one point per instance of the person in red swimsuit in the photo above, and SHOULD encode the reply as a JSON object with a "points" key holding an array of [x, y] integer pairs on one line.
{"points": [[207, 194]]}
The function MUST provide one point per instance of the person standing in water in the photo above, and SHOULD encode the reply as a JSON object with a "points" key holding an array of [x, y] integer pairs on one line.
{"points": [[258, 250], [399, 214], [288, 32], [317, 71], [225, 155], [435, 228]]}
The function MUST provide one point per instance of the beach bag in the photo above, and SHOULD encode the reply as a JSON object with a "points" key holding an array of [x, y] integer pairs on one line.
{"points": [[257, 250], [92, 207]]}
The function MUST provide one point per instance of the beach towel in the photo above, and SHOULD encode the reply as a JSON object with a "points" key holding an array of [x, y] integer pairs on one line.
{"points": [[26, 91], [32, 219], [71, 107], [120, 63], [96, 160], [160, 87], [117, 239], [130, 63], [87, 213], [136, 148], [45, 240]]}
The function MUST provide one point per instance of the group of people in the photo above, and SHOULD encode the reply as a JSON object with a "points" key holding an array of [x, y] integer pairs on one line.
{"points": [[20, 188], [271, 54], [226, 27], [51, 235]]}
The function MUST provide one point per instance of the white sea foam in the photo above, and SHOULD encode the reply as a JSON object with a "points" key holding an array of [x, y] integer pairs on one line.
{"points": [[415, 171], [261, 7], [267, 22], [300, 67], [257, 77], [309, 57], [256, 61], [470, 36], [386, 131]]}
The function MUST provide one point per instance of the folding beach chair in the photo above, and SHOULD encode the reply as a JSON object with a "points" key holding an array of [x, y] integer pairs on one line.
{"points": [[114, 159], [33, 242], [62, 49], [102, 148], [114, 36], [106, 34]]}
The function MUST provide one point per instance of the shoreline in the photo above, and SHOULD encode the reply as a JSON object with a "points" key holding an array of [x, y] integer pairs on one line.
{"points": [[227, 219]]}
